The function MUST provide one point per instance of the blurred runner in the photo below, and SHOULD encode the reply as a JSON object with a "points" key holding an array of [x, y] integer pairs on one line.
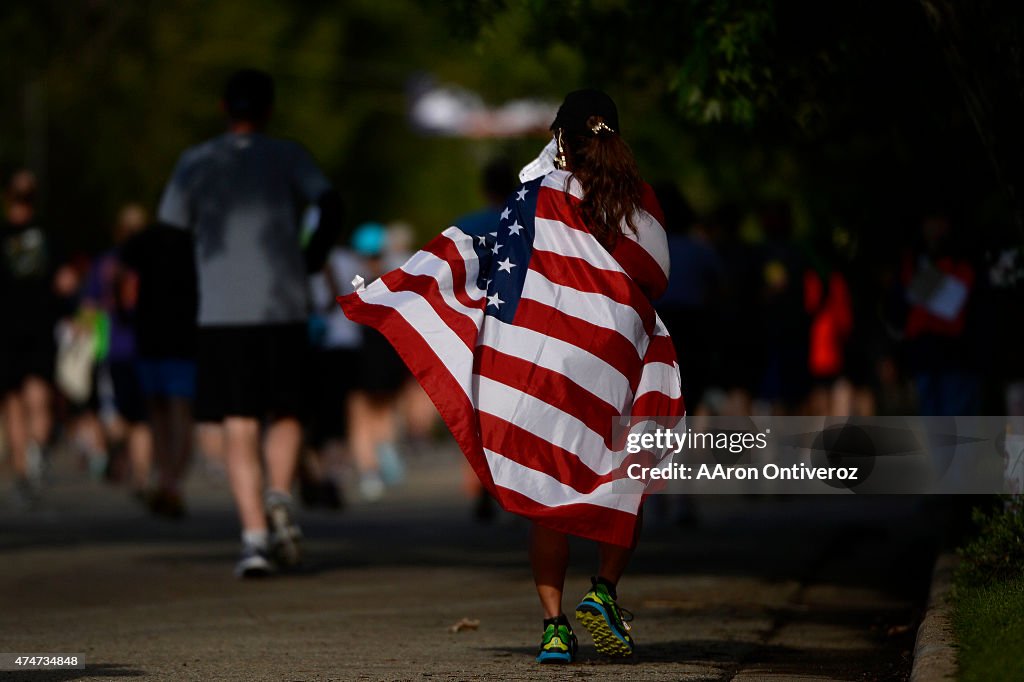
{"points": [[32, 282], [241, 194], [110, 293], [785, 323], [378, 377], [939, 304], [160, 260], [336, 341]]}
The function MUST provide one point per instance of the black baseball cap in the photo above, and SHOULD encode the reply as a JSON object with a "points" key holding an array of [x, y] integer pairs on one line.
{"points": [[579, 105]]}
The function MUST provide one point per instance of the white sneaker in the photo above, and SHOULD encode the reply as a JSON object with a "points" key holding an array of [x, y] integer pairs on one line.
{"points": [[371, 487], [253, 563]]}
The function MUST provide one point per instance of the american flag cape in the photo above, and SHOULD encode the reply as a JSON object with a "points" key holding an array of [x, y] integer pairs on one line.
{"points": [[533, 340]]}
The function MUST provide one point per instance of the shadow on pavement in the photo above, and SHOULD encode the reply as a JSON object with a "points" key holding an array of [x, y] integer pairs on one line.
{"points": [[773, 540], [91, 671], [830, 663]]}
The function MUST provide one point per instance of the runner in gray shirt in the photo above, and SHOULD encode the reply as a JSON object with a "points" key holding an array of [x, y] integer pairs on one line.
{"points": [[241, 195]]}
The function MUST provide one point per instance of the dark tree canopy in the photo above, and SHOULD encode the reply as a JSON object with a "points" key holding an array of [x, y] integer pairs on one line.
{"points": [[855, 112]]}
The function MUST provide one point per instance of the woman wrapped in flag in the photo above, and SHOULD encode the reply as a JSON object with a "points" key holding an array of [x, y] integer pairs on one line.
{"points": [[535, 338]]}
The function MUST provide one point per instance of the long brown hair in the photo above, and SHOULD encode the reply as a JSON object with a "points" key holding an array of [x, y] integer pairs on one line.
{"points": [[607, 172]]}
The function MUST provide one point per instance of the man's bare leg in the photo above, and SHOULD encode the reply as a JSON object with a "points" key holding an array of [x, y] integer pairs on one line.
{"points": [[283, 444], [242, 450], [17, 433], [39, 408]]}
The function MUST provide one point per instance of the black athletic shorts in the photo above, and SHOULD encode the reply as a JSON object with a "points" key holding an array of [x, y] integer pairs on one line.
{"points": [[331, 373], [128, 398], [379, 369], [250, 371], [26, 350]]}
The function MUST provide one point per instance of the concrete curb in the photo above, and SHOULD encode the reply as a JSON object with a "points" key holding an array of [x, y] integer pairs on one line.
{"points": [[935, 649]]}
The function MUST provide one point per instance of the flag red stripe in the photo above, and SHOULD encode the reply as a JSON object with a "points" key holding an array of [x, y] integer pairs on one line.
{"points": [[661, 349], [553, 204]]}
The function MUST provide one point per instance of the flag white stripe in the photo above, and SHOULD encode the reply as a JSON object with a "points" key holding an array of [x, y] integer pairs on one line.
{"points": [[621, 494], [659, 377], [556, 180], [554, 236]]}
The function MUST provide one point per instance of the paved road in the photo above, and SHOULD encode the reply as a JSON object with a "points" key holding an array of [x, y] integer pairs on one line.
{"points": [[761, 589]]}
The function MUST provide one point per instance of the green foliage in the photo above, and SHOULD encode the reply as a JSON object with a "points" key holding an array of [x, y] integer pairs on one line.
{"points": [[711, 58], [469, 17], [844, 108], [988, 613], [105, 96], [997, 552], [728, 67], [989, 626]]}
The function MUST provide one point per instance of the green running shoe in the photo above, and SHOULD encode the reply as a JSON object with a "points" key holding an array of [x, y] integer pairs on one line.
{"points": [[558, 645], [604, 620]]}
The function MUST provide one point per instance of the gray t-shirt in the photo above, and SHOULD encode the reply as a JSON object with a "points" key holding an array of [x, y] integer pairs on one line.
{"points": [[243, 196]]}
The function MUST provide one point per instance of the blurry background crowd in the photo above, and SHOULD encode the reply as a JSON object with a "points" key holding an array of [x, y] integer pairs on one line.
{"points": [[843, 203]]}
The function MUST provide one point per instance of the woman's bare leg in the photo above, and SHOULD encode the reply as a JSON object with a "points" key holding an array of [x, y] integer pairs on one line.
{"points": [[549, 558], [613, 559]]}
